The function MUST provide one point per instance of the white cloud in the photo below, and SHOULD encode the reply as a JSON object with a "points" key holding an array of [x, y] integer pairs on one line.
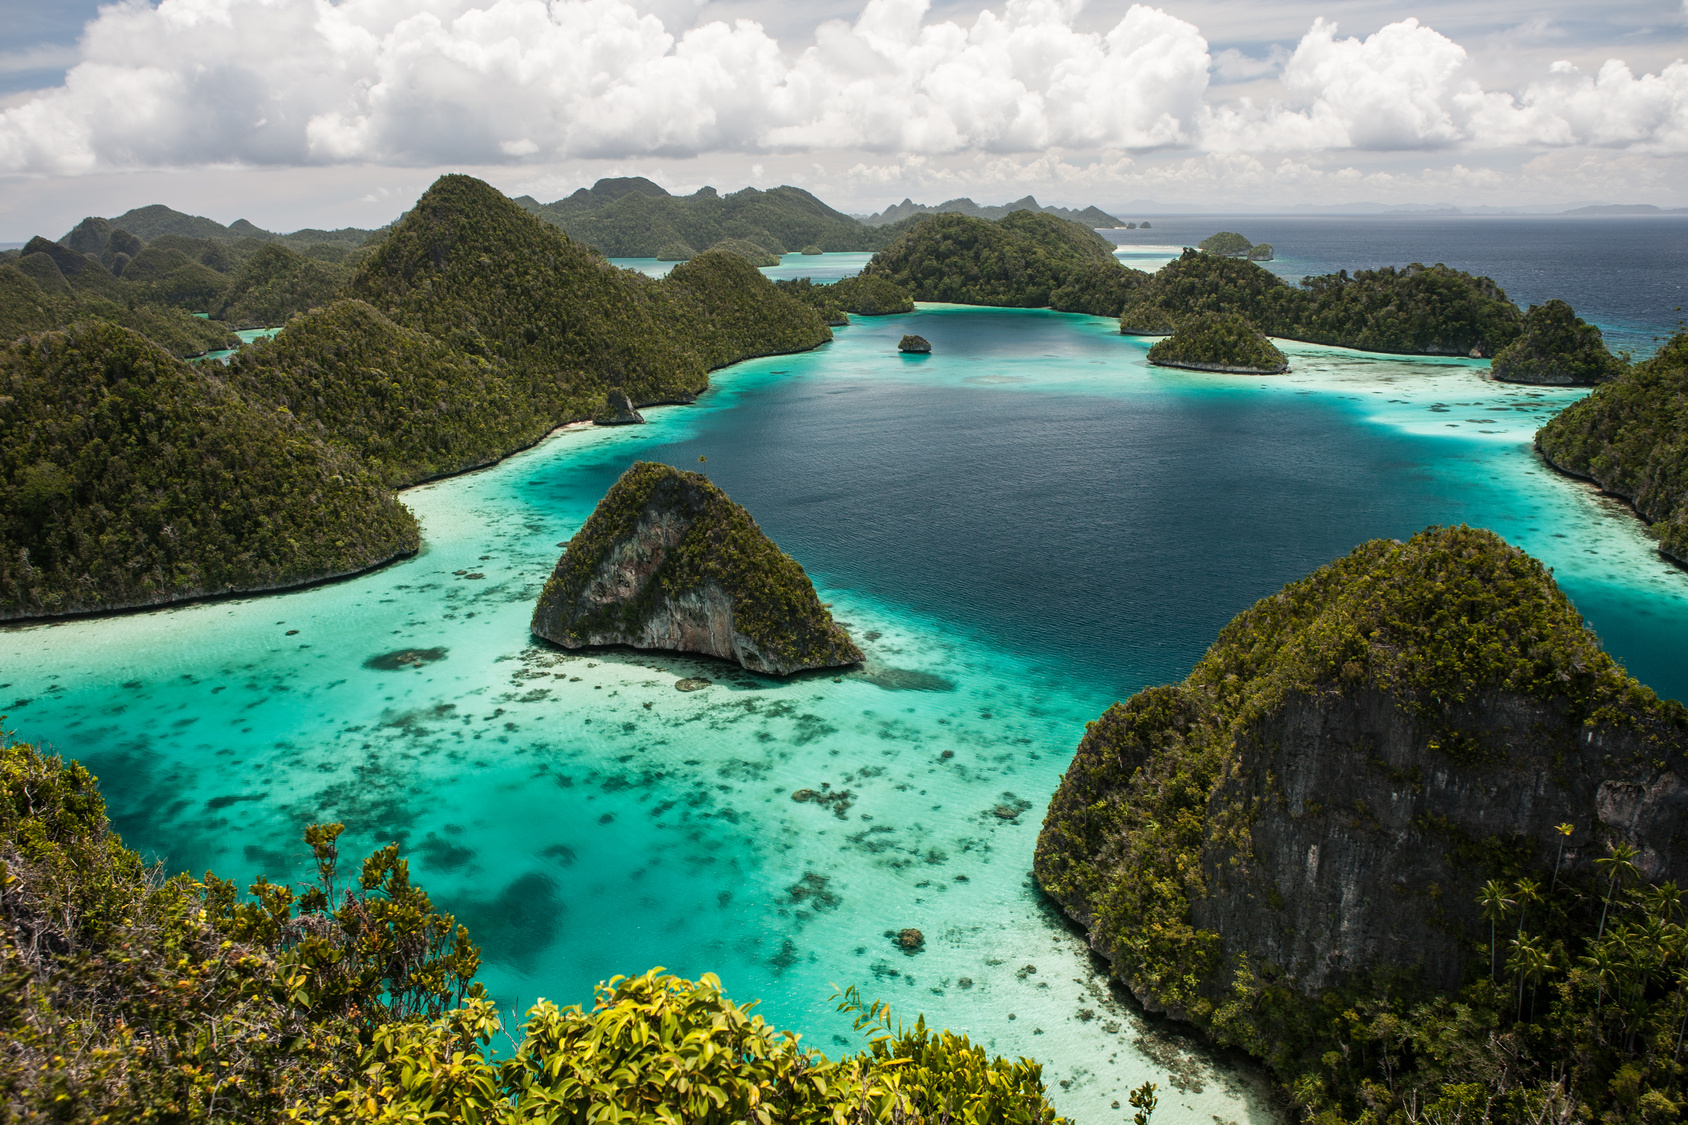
{"points": [[197, 83], [313, 81], [1408, 87]]}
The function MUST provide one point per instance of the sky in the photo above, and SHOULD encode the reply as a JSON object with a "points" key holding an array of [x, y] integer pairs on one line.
{"points": [[340, 112]]}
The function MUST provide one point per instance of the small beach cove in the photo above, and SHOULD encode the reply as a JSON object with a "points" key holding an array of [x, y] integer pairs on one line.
{"points": [[1019, 529]]}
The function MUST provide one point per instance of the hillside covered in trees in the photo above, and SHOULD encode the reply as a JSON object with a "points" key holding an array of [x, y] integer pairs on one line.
{"points": [[1024, 260], [1630, 436], [631, 217], [1415, 310], [1219, 342], [469, 331], [134, 479]]}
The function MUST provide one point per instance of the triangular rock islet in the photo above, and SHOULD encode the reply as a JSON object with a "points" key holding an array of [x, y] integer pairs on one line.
{"points": [[668, 561]]}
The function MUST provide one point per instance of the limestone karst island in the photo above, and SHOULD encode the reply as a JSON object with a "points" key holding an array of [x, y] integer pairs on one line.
{"points": [[926, 565], [667, 561]]}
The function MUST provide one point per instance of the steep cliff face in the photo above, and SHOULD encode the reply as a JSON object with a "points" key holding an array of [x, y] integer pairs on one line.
{"points": [[1367, 848], [667, 561], [1318, 805]]}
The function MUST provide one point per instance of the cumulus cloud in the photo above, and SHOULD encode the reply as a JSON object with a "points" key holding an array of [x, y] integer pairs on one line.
{"points": [[1408, 87], [196, 83], [311, 81]]}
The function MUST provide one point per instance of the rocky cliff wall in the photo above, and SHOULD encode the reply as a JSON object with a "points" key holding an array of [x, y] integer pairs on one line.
{"points": [[1370, 839]]}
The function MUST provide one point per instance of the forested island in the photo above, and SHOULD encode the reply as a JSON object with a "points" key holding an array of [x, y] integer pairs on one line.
{"points": [[135, 998], [1219, 342], [1024, 260], [1230, 244], [1555, 348], [1407, 834], [1630, 436], [668, 561], [1416, 310], [468, 331], [1091, 217], [151, 268]]}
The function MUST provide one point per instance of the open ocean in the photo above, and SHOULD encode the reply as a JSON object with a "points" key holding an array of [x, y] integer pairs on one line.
{"points": [[1019, 529]]}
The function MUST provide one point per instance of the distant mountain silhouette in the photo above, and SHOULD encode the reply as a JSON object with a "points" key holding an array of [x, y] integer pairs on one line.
{"points": [[1091, 216]]}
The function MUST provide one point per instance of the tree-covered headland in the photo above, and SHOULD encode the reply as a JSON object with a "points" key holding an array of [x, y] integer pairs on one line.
{"points": [[1630, 436], [1557, 348]]}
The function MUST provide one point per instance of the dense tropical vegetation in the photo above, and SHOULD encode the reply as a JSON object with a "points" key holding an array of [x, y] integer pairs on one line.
{"points": [[135, 997], [412, 406], [1021, 261], [1631, 437], [1230, 244], [1556, 347], [1425, 310], [35, 296], [631, 217], [749, 251], [468, 331], [275, 283], [1219, 342], [862, 295], [1574, 997], [870, 295], [170, 264], [131, 478]]}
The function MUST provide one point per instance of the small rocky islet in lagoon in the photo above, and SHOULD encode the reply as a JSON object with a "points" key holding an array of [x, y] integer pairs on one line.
{"points": [[668, 561]]}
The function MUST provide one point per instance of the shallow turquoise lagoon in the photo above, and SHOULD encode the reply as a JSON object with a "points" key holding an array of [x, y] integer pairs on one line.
{"points": [[1019, 529]]}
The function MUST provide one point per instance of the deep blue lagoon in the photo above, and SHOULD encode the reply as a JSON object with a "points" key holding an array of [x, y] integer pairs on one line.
{"points": [[1019, 529]]}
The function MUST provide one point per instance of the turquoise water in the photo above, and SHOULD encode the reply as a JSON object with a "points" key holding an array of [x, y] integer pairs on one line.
{"points": [[1019, 529], [246, 335]]}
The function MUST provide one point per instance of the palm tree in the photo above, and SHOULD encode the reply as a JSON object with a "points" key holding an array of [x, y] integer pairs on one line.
{"points": [[1496, 906], [1564, 831], [1527, 891], [1620, 865], [1603, 964], [1530, 961], [1662, 901]]}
